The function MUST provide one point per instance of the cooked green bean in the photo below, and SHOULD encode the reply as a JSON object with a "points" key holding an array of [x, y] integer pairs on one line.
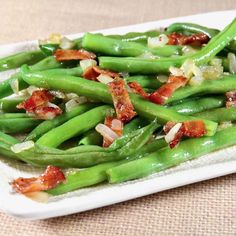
{"points": [[48, 125], [92, 137], [74, 127], [9, 104], [17, 60], [162, 65], [166, 157]]}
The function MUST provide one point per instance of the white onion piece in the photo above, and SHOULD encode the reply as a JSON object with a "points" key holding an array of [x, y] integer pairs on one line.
{"points": [[232, 63], [170, 136], [31, 89], [176, 71], [159, 41], [85, 64], [216, 62], [116, 124], [196, 80], [20, 147], [15, 86], [188, 50], [38, 196], [71, 95], [58, 94], [187, 68], [66, 43], [106, 132], [53, 39], [74, 102], [162, 78], [224, 125], [105, 79]]}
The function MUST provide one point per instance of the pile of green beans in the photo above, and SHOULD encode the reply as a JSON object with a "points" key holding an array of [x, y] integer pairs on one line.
{"points": [[71, 140]]}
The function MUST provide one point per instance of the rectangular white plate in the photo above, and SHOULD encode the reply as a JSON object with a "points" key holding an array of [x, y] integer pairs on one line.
{"points": [[216, 164]]}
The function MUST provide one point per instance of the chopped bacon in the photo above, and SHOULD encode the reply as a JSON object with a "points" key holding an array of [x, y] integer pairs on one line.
{"points": [[48, 180], [65, 55], [192, 129], [194, 39], [114, 124], [93, 72], [137, 88], [38, 104], [231, 99], [122, 103], [38, 98], [165, 91]]}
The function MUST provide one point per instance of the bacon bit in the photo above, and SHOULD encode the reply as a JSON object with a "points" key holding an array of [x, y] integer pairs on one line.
{"points": [[38, 98], [231, 99], [165, 91], [194, 39], [48, 180], [114, 124], [122, 103], [137, 88], [38, 104], [192, 129], [92, 73], [65, 55]]}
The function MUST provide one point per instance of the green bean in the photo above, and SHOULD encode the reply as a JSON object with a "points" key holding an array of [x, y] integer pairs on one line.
{"points": [[192, 28], [17, 60], [219, 114], [87, 88], [73, 127], [199, 104], [134, 124], [162, 65], [9, 104], [116, 47], [48, 49], [48, 125], [145, 81], [217, 86], [17, 125], [92, 137], [47, 63], [166, 157], [13, 115]]}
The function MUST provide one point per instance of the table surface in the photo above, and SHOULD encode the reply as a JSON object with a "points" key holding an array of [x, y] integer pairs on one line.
{"points": [[206, 208]]}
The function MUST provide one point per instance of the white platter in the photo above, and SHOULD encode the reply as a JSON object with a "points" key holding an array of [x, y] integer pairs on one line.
{"points": [[216, 164]]}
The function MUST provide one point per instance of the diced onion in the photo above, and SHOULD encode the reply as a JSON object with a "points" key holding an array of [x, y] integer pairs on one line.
{"points": [[148, 55], [196, 80], [116, 124], [66, 43], [31, 89], [170, 136], [58, 94], [71, 95], [162, 78], [188, 50], [212, 72], [20, 147], [85, 64], [187, 68], [106, 132], [15, 86], [216, 62], [74, 102], [38, 196], [53, 39], [232, 63], [159, 41], [176, 71], [224, 125], [105, 79]]}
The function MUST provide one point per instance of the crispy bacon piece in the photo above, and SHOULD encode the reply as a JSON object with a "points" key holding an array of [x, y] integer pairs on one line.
{"points": [[38, 104], [66, 55], [114, 124], [192, 129], [165, 91], [93, 72], [122, 103], [38, 98], [231, 99], [136, 88], [48, 180], [194, 39]]}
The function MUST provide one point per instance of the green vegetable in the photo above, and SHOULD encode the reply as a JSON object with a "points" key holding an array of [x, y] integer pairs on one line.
{"points": [[17, 60], [9, 104], [92, 137], [166, 157]]}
